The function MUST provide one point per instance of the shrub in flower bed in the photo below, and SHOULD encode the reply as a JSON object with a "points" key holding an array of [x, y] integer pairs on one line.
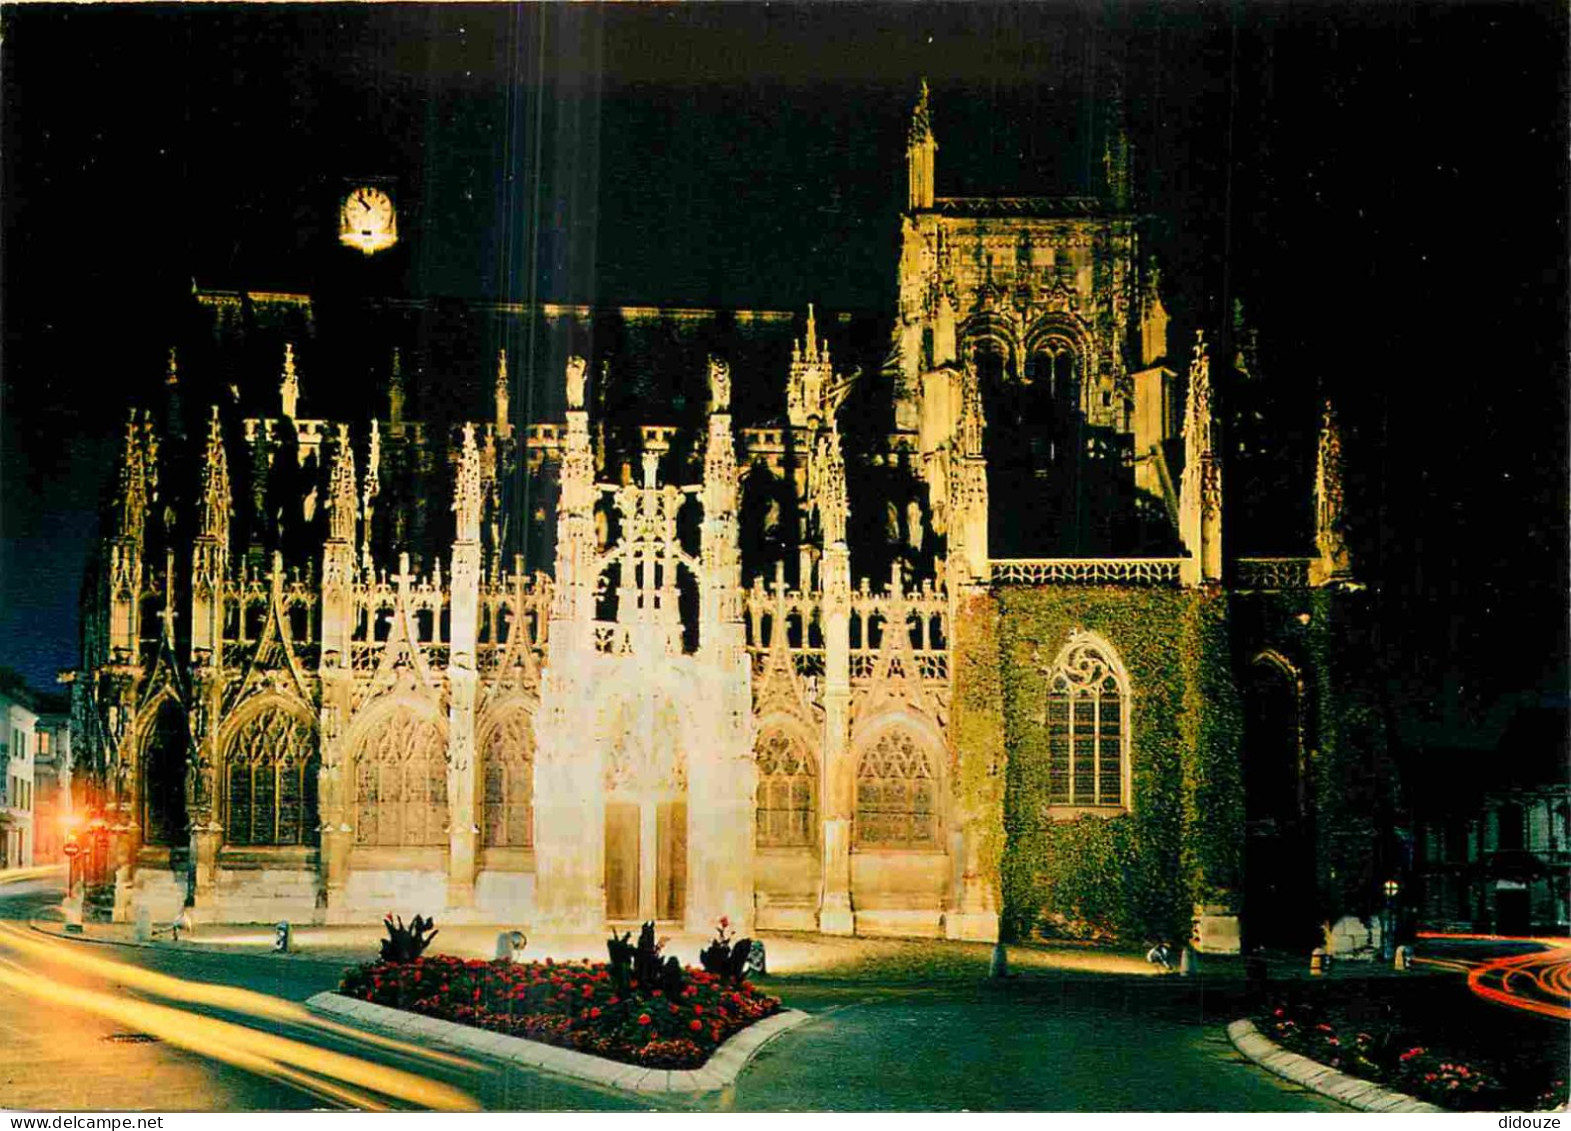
{"points": [[1386, 1055], [577, 1005]]}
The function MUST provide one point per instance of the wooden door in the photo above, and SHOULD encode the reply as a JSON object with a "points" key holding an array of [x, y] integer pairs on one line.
{"points": [[621, 861], [671, 860]]}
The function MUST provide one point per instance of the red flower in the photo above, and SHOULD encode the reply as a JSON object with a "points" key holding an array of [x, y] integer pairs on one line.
{"points": [[643, 1018], [589, 991], [594, 1011], [696, 1025]]}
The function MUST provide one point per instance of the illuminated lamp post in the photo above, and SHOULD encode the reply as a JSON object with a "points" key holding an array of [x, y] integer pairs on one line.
{"points": [[1388, 936], [73, 910]]}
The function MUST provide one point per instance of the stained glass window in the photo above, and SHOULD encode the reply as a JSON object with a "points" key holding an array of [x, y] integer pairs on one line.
{"points": [[1087, 727], [896, 794], [509, 767], [270, 772], [401, 783], [787, 792]]}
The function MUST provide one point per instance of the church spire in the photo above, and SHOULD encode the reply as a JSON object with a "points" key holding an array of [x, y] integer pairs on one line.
{"points": [[1200, 486], [1115, 152], [395, 391], [920, 149], [1336, 560], [466, 490], [811, 376], [216, 501], [503, 394], [341, 491]]}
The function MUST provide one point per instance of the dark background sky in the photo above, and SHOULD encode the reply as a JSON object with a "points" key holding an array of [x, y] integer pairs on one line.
{"points": [[1383, 186]]}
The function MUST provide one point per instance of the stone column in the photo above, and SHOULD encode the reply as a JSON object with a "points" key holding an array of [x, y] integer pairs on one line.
{"points": [[463, 620], [835, 915], [721, 773], [336, 671], [569, 797], [569, 772]]}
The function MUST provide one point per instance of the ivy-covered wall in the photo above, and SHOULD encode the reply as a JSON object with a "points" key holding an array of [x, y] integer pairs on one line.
{"points": [[1137, 875], [1140, 875]]}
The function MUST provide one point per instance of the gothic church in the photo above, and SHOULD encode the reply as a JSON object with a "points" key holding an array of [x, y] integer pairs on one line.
{"points": [[674, 614]]}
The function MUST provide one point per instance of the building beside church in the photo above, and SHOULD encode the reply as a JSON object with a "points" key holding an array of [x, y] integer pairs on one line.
{"points": [[670, 614]]}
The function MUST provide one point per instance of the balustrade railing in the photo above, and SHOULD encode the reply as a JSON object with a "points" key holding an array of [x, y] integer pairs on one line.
{"points": [[1084, 571], [1272, 573]]}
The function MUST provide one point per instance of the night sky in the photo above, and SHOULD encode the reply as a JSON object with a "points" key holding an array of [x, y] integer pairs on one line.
{"points": [[1383, 187]]}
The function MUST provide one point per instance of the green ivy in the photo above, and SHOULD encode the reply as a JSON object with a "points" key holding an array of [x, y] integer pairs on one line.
{"points": [[1139, 875]]}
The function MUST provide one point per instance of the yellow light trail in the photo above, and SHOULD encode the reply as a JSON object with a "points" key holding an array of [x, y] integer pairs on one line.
{"points": [[232, 998], [336, 1076]]}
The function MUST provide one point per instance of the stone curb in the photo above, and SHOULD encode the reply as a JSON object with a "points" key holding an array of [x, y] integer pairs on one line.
{"points": [[720, 1071], [1350, 1090], [56, 930]]}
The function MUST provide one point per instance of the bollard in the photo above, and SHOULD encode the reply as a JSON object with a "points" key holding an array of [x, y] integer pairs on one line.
{"points": [[1188, 962], [999, 967], [1319, 961], [142, 931], [1404, 957], [282, 938], [510, 946]]}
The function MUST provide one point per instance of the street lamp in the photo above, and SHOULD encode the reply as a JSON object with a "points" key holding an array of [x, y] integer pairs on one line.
{"points": [[73, 913], [1388, 936]]}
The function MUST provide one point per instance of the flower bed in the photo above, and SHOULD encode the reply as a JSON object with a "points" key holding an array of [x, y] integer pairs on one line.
{"points": [[1395, 1057], [572, 1004]]}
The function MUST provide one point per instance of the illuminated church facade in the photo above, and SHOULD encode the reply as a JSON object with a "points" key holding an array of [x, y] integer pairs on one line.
{"points": [[742, 630]]}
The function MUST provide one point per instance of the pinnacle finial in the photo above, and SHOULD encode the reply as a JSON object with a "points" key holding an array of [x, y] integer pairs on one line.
{"points": [[289, 386], [921, 116], [172, 371]]}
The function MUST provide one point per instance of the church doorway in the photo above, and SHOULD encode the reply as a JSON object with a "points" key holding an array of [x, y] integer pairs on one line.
{"points": [[1279, 881], [645, 860], [645, 811]]}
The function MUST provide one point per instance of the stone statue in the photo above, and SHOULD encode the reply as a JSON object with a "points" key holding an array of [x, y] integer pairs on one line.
{"points": [[719, 385], [576, 367]]}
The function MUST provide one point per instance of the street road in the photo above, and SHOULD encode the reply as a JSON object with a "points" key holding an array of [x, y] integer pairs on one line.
{"points": [[93, 1027], [1533, 975], [90, 1026]]}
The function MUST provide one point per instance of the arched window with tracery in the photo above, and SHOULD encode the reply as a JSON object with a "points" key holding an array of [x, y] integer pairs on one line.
{"points": [[165, 746], [1088, 726], [508, 770], [896, 794], [401, 782], [270, 780], [787, 792]]}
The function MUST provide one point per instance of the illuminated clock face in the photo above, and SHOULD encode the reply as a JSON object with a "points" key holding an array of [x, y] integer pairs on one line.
{"points": [[367, 220]]}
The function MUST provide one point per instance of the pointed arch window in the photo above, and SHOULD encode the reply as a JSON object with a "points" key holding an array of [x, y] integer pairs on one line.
{"points": [[896, 794], [508, 762], [270, 781], [787, 792], [1088, 727], [401, 783]]}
